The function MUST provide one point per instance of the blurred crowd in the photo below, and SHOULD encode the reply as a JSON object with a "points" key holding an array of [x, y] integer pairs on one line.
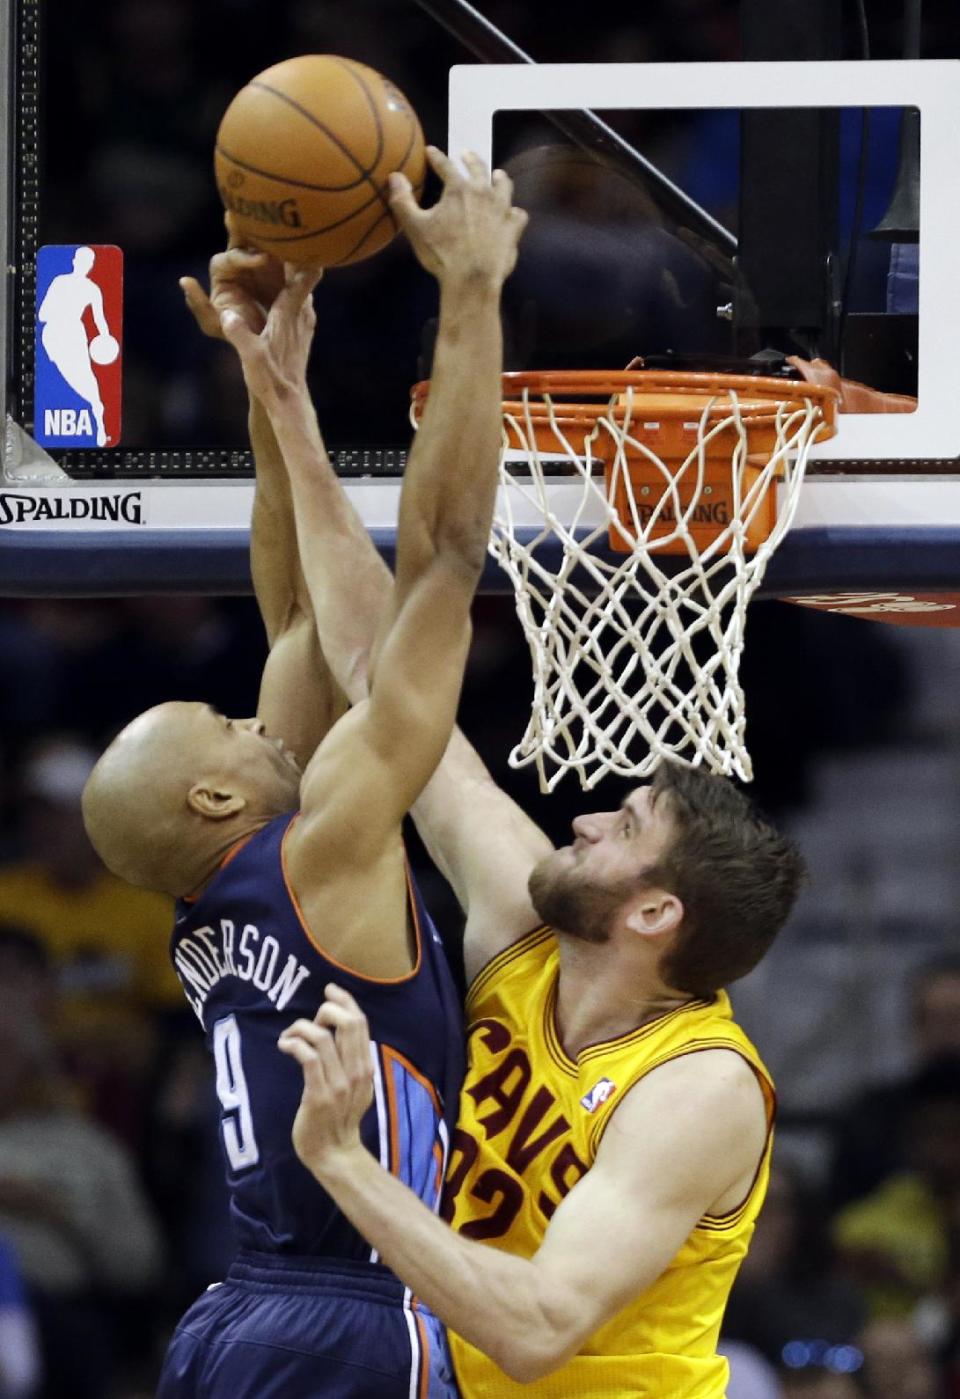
{"points": [[112, 1212]]}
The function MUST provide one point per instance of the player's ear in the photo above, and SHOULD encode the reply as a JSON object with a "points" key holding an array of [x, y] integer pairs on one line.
{"points": [[655, 912], [214, 805]]}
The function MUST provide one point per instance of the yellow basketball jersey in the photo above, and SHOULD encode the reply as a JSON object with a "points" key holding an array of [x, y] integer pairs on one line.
{"points": [[531, 1120]]}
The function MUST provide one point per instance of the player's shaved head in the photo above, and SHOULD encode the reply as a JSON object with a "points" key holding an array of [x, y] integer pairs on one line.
{"points": [[135, 801], [172, 793]]}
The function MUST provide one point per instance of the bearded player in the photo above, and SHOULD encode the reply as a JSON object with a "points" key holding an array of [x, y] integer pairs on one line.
{"points": [[283, 844]]}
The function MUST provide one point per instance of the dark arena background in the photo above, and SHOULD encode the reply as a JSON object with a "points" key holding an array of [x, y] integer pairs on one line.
{"points": [[112, 1210]]}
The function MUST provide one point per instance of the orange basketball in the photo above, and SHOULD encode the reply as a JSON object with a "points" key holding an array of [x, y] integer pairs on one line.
{"points": [[303, 154]]}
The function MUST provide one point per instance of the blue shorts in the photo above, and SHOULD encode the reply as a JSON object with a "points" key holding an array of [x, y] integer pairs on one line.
{"points": [[298, 1328]]}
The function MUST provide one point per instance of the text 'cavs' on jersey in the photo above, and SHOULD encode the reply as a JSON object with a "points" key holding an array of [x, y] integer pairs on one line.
{"points": [[531, 1122], [249, 967]]}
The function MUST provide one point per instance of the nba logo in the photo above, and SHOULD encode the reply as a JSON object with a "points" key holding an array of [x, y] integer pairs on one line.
{"points": [[79, 362], [598, 1094]]}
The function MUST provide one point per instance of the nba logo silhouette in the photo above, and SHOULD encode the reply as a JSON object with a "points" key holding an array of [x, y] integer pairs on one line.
{"points": [[79, 363]]}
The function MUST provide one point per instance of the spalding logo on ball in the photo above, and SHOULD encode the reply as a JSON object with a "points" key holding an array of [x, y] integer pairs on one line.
{"points": [[303, 154]]}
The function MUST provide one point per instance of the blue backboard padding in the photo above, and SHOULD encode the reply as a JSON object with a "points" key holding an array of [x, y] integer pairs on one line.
{"points": [[44, 563]]}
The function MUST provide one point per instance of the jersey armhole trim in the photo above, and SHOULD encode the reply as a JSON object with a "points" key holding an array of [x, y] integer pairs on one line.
{"points": [[325, 951], [502, 959], [711, 1222], [719, 1222]]}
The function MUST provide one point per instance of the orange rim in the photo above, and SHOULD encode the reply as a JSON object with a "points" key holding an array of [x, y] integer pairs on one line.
{"points": [[668, 393]]}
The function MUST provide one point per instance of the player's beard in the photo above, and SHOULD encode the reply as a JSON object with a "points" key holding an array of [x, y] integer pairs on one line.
{"points": [[573, 904]]}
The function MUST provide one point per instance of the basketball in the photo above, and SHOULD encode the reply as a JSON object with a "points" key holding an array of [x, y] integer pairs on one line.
{"points": [[303, 154]]}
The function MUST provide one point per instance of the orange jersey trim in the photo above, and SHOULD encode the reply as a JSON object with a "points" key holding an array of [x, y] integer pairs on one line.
{"points": [[393, 1125], [390, 1053], [231, 854], [325, 951], [391, 1056], [423, 1388]]}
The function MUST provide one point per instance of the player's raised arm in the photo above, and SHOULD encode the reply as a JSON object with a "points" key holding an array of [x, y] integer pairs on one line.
{"points": [[299, 698], [377, 761]]}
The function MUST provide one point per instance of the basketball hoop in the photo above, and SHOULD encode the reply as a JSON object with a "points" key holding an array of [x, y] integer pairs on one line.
{"points": [[638, 511]]}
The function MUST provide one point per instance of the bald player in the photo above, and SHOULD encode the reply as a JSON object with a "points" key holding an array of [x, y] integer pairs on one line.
{"points": [[282, 843]]}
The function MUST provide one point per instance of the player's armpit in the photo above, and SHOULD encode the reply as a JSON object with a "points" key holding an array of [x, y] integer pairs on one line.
{"points": [[685, 1140], [373, 765], [299, 699], [485, 845]]}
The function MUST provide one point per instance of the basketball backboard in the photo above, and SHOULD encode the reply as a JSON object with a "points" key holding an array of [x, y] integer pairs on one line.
{"points": [[880, 512], [605, 272]]}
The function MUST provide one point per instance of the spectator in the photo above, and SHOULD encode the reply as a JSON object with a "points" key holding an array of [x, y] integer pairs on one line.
{"points": [[897, 1239], [817, 1370], [896, 1363], [107, 942], [788, 1284], [71, 1207], [26, 976], [819, 1384], [868, 1143]]}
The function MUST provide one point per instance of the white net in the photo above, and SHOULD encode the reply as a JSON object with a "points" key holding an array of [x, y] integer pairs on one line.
{"points": [[636, 655]]}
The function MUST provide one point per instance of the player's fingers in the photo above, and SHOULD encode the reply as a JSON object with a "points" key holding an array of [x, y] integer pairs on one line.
{"points": [[353, 1032], [329, 1057], [237, 242], [194, 294], [300, 281], [403, 204], [333, 1016], [503, 185], [442, 165], [306, 1029], [475, 167], [239, 334], [199, 306], [234, 238], [298, 1049], [303, 1039], [234, 261], [295, 1045], [336, 993], [354, 1042]]}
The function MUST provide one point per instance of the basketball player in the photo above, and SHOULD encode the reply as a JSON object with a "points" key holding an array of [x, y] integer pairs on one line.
{"points": [[615, 1122], [615, 1125], [287, 863]]}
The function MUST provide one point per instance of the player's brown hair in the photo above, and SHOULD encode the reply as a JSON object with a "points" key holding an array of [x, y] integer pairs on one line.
{"points": [[735, 874]]}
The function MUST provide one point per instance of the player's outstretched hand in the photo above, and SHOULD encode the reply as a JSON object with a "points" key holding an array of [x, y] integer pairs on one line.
{"points": [[243, 280], [333, 1050], [275, 360], [473, 229]]}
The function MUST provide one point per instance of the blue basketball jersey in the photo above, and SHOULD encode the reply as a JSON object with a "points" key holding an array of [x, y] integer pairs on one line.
{"points": [[249, 967]]}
